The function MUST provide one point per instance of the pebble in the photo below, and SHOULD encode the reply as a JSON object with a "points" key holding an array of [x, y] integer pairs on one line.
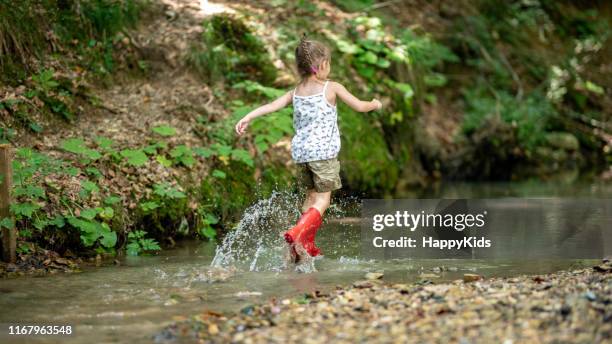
{"points": [[471, 278], [374, 275], [508, 310]]}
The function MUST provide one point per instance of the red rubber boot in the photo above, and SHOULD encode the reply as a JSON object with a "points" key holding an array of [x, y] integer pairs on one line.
{"points": [[305, 230], [307, 238]]}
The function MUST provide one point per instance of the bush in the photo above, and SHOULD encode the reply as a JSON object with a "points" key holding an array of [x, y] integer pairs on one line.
{"points": [[30, 29], [230, 51], [530, 117]]}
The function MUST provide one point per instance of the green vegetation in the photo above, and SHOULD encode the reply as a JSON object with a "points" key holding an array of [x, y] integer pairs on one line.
{"points": [[494, 91], [30, 30], [35, 37], [229, 50], [137, 243], [550, 86]]}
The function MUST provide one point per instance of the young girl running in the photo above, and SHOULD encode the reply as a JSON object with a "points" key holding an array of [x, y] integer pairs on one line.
{"points": [[316, 143]]}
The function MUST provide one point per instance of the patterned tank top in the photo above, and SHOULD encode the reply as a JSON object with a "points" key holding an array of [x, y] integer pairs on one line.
{"points": [[315, 122]]}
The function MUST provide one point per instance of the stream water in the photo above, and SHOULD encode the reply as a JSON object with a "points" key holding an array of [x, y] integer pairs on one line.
{"points": [[132, 302]]}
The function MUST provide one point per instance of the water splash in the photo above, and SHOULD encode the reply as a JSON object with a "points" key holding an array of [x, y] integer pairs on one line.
{"points": [[256, 243]]}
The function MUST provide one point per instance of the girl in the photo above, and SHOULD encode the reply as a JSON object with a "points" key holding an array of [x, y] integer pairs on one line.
{"points": [[316, 143]]}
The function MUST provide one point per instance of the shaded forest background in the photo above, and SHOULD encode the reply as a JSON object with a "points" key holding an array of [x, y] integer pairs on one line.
{"points": [[122, 111]]}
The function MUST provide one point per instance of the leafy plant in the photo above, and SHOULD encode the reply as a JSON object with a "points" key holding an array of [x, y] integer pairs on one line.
{"points": [[92, 231], [165, 190], [137, 243], [135, 157], [531, 116], [183, 155], [78, 146], [205, 224], [230, 50], [164, 130]]}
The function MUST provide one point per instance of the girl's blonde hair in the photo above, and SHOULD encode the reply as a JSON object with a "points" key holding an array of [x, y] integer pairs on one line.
{"points": [[309, 54]]}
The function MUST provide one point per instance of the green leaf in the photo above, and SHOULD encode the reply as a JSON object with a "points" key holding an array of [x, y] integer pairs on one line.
{"points": [[136, 234], [77, 146], [135, 157], [36, 127], [163, 161], [138, 243], [150, 149], [133, 249], [106, 213], [110, 200], [167, 190], [94, 172], [73, 171], [58, 221], [148, 206], [383, 63], [24, 209], [593, 87], [369, 57], [90, 230], [89, 213], [40, 223], [435, 80], [211, 219], [242, 156], [399, 54], [203, 152], [23, 249], [252, 86], [365, 71], [164, 130], [404, 88], [104, 142], [218, 174], [7, 222], [348, 47], [109, 238], [179, 151], [223, 150], [187, 160], [209, 232], [149, 245], [90, 186], [31, 191]]}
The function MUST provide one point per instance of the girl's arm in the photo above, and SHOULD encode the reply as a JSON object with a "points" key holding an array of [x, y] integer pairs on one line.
{"points": [[354, 102], [276, 105]]}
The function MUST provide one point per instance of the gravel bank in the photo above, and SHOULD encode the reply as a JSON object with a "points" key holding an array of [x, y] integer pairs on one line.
{"points": [[566, 306]]}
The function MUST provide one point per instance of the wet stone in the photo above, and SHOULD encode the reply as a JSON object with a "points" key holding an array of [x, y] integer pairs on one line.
{"points": [[509, 310], [471, 278]]}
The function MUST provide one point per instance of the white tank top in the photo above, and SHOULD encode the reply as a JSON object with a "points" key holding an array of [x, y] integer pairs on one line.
{"points": [[315, 122]]}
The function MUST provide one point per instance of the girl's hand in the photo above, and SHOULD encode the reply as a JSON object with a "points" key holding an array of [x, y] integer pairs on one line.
{"points": [[377, 103], [242, 125]]}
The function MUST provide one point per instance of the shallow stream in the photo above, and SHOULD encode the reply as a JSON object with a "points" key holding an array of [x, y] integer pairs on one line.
{"points": [[132, 302]]}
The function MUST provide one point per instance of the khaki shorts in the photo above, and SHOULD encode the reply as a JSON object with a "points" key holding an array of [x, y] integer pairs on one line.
{"points": [[321, 175]]}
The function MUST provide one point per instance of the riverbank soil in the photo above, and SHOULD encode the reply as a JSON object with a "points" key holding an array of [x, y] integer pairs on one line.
{"points": [[562, 307]]}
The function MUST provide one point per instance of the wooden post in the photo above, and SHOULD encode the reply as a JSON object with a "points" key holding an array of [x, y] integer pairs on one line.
{"points": [[9, 235]]}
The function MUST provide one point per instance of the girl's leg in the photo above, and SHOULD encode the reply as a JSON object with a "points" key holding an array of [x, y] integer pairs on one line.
{"points": [[309, 200], [321, 201], [318, 200]]}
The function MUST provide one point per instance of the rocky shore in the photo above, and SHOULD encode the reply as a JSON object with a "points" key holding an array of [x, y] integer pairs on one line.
{"points": [[561, 307]]}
